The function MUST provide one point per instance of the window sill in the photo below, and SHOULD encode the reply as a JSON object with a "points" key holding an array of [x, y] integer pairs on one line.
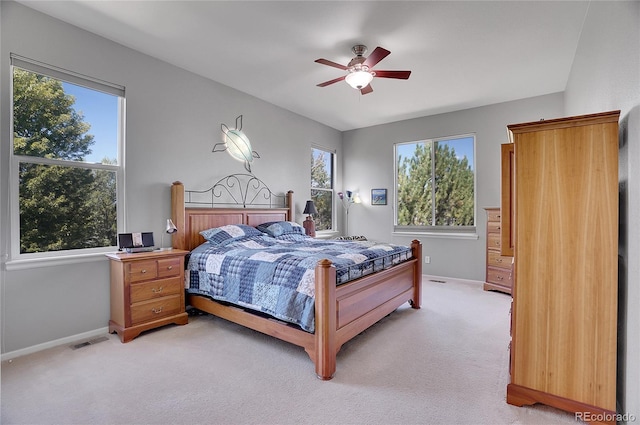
{"points": [[326, 234], [59, 260], [439, 235]]}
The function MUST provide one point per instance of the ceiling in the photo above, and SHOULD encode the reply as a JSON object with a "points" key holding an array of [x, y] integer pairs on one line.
{"points": [[461, 54]]}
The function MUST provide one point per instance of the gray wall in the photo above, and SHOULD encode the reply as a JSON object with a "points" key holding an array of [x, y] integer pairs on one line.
{"points": [[606, 76], [173, 120], [369, 164]]}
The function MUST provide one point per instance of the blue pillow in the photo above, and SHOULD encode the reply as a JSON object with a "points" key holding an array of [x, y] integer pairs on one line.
{"points": [[221, 234], [279, 228]]}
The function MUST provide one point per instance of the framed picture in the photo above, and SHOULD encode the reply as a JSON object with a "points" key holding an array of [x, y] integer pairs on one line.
{"points": [[378, 196]]}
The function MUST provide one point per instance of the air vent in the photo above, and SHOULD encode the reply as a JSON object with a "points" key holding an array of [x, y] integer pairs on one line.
{"points": [[90, 342]]}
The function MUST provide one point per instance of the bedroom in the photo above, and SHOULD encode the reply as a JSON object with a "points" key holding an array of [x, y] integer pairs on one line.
{"points": [[168, 143]]}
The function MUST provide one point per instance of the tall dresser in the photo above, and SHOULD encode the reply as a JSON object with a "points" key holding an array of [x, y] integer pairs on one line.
{"points": [[499, 275], [565, 219]]}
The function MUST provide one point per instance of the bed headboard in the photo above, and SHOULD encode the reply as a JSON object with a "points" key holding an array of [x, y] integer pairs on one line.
{"points": [[191, 220]]}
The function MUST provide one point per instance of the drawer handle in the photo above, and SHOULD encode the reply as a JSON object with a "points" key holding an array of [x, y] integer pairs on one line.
{"points": [[170, 268], [498, 260], [500, 278], [143, 271], [156, 291], [157, 310], [498, 216]]}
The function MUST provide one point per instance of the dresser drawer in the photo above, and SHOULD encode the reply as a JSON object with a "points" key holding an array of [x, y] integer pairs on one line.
{"points": [[493, 241], [169, 267], [499, 276], [142, 270], [155, 289], [155, 309], [493, 227], [493, 215], [494, 259]]}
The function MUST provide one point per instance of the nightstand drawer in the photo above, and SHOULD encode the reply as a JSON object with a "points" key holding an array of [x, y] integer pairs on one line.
{"points": [[155, 289], [169, 267], [142, 270], [155, 309]]}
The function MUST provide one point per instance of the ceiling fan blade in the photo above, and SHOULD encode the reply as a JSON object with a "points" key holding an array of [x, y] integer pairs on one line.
{"points": [[335, 80], [366, 90], [376, 56], [330, 63], [402, 75]]}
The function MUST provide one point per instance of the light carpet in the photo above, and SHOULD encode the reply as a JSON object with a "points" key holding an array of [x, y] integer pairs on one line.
{"points": [[443, 364]]}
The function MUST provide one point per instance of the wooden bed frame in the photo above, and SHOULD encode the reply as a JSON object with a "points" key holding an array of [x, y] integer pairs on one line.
{"points": [[341, 312]]}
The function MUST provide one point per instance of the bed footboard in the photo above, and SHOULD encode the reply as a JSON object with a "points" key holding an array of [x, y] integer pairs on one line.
{"points": [[344, 311]]}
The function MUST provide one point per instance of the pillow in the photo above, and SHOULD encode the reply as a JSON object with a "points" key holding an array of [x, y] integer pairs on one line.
{"points": [[221, 234], [279, 228]]}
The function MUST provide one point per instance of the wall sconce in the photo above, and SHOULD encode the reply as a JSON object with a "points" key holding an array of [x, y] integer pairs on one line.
{"points": [[347, 199], [170, 230], [309, 225], [237, 144]]}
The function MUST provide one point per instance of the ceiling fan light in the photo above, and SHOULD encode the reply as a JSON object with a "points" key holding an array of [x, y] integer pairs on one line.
{"points": [[359, 79]]}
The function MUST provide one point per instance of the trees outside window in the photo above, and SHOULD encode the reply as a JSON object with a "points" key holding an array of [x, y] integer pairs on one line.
{"points": [[67, 198], [435, 185], [322, 176]]}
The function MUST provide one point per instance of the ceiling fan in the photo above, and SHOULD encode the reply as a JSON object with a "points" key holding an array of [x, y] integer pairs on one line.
{"points": [[360, 69]]}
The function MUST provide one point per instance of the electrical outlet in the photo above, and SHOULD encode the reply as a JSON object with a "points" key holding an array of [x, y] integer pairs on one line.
{"points": [[427, 259]]}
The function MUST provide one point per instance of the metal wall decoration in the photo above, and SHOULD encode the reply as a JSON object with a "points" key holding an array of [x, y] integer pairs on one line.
{"points": [[237, 144]]}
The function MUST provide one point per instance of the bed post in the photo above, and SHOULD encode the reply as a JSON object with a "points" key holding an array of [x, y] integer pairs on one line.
{"points": [[292, 208], [177, 215], [416, 249], [326, 320]]}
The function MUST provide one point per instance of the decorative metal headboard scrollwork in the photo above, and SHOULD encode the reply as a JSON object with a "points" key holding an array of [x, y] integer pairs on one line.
{"points": [[235, 190]]}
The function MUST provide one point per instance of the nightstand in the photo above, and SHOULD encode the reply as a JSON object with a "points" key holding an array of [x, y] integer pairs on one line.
{"points": [[147, 291]]}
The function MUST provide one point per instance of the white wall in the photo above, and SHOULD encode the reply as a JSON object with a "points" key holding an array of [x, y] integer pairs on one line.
{"points": [[173, 120], [606, 76], [369, 164]]}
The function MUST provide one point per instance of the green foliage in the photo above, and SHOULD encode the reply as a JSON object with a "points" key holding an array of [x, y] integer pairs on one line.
{"points": [[321, 179], [61, 207], [454, 188]]}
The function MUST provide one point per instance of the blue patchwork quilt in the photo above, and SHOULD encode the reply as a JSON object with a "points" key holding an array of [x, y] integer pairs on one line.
{"points": [[276, 275]]}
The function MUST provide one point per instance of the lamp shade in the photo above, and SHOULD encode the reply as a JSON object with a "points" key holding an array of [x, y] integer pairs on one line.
{"points": [[171, 228], [359, 79], [310, 208]]}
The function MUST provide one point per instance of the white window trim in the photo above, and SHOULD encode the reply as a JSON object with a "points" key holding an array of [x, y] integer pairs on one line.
{"points": [[18, 260], [444, 232], [327, 234]]}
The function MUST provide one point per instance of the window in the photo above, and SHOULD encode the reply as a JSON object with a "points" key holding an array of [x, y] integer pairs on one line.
{"points": [[435, 185], [66, 171], [322, 187]]}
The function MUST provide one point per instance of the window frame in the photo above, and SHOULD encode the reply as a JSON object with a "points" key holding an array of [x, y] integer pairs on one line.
{"points": [[461, 232], [20, 260], [334, 203]]}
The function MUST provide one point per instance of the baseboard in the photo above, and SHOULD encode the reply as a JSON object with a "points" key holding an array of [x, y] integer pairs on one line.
{"points": [[50, 344], [451, 279]]}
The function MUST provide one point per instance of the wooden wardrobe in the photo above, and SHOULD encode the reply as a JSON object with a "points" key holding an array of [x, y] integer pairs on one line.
{"points": [[560, 208]]}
